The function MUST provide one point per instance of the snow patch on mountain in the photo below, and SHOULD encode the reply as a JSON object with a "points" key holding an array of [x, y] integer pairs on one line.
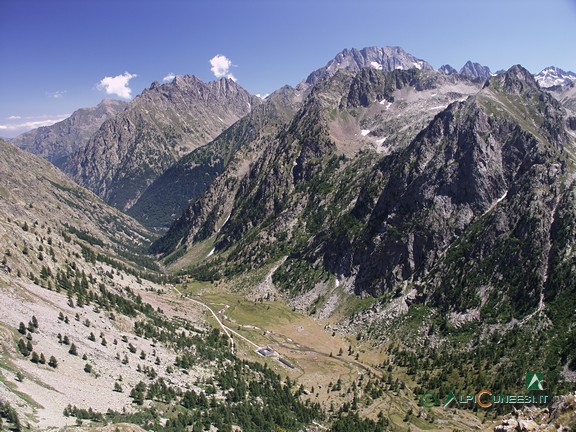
{"points": [[376, 65]]}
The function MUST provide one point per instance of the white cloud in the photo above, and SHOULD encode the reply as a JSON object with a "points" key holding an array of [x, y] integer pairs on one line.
{"points": [[169, 77], [221, 67], [56, 95], [117, 85], [14, 129], [262, 96]]}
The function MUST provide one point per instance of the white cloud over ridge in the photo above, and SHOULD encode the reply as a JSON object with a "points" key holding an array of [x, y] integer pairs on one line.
{"points": [[169, 77], [221, 67], [117, 85], [14, 129]]}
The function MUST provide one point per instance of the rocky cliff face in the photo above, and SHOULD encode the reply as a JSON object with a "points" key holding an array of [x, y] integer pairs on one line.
{"points": [[476, 158], [162, 124], [58, 142]]}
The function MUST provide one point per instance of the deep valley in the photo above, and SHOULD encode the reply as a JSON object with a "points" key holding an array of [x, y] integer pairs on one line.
{"points": [[359, 252]]}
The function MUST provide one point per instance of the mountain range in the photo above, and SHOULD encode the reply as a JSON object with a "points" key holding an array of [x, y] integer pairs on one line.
{"points": [[161, 125], [82, 150], [427, 217], [406, 209], [445, 215]]}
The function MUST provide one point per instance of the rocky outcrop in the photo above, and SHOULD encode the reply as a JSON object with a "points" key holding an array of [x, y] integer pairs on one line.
{"points": [[560, 416]]}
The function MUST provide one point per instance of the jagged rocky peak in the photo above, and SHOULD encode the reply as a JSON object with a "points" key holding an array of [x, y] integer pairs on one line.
{"points": [[182, 79], [386, 58], [287, 96], [447, 70], [475, 71], [554, 76], [224, 88], [180, 83], [516, 80], [186, 80], [107, 108]]}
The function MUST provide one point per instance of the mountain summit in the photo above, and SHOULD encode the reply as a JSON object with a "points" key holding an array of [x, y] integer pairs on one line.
{"points": [[475, 71], [554, 76], [385, 59], [447, 70]]}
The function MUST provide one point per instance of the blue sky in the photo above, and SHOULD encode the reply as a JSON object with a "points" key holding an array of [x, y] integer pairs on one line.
{"points": [[55, 53]]}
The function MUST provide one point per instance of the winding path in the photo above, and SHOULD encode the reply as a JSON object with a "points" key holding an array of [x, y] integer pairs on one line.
{"points": [[229, 332]]}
